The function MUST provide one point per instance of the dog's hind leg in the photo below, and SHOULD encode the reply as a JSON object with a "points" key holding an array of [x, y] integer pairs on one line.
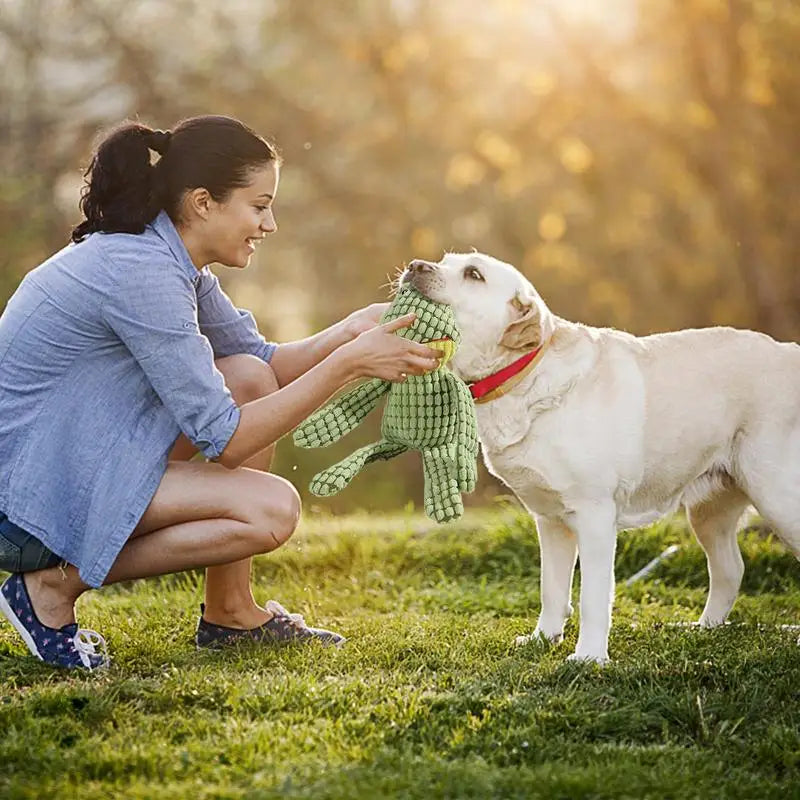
{"points": [[714, 522], [769, 472], [559, 549]]}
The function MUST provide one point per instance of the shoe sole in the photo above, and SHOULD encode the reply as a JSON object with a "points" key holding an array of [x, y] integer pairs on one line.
{"points": [[286, 643], [18, 626]]}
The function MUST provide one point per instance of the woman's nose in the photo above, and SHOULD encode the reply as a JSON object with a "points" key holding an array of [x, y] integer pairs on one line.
{"points": [[268, 224]]}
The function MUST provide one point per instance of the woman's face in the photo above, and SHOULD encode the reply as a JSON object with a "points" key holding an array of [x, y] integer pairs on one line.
{"points": [[238, 224]]}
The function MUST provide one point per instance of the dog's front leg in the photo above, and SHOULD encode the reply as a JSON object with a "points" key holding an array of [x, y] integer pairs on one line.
{"points": [[595, 529], [558, 549]]}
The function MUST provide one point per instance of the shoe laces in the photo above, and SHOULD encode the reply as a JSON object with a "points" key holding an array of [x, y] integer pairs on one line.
{"points": [[296, 620], [86, 642]]}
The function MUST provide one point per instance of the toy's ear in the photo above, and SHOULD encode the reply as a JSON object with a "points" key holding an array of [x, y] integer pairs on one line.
{"points": [[525, 331]]}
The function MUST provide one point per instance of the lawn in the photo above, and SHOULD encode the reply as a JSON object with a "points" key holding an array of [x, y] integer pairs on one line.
{"points": [[429, 698]]}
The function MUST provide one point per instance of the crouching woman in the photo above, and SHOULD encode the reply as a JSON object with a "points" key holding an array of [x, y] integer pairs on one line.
{"points": [[121, 358]]}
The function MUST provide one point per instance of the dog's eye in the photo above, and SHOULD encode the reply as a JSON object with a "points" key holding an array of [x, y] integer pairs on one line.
{"points": [[473, 274]]}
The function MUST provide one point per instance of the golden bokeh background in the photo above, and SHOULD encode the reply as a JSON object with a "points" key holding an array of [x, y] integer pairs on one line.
{"points": [[637, 160]]}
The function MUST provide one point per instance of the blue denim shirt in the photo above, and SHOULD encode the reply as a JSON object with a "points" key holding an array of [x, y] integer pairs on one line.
{"points": [[106, 354]]}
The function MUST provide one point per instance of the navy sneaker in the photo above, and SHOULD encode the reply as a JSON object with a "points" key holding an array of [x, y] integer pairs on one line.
{"points": [[283, 628], [69, 646]]}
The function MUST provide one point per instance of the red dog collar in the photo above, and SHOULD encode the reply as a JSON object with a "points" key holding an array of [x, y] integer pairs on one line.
{"points": [[497, 384]]}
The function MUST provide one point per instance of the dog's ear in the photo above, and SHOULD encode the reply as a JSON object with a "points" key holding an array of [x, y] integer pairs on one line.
{"points": [[525, 331]]}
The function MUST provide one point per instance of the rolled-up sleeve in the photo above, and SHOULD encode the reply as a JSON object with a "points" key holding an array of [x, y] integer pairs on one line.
{"points": [[155, 316], [230, 330]]}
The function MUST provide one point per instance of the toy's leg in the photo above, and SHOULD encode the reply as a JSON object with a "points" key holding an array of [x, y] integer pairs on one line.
{"points": [[442, 496], [340, 416], [336, 477], [467, 469], [467, 441]]}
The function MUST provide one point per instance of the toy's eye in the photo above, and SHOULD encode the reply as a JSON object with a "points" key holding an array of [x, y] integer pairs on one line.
{"points": [[473, 274]]}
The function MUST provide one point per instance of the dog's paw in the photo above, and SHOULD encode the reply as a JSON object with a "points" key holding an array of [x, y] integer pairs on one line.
{"points": [[709, 622], [539, 637], [600, 660]]}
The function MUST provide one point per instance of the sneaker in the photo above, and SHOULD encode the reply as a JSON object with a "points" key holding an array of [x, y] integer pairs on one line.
{"points": [[69, 646], [283, 628]]}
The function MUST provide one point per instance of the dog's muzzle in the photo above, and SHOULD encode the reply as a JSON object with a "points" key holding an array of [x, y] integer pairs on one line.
{"points": [[418, 265], [417, 273]]}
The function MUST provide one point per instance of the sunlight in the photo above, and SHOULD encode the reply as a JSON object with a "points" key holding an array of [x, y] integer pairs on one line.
{"points": [[614, 16]]}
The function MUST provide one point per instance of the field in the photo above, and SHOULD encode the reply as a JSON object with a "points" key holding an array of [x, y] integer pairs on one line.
{"points": [[429, 698]]}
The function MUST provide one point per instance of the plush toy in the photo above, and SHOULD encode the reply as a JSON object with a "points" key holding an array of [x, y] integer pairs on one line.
{"points": [[432, 413]]}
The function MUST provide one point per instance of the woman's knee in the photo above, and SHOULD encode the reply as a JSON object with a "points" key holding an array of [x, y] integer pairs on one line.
{"points": [[247, 376], [276, 515]]}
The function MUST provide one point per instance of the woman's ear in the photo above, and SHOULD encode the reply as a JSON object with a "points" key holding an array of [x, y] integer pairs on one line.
{"points": [[198, 202], [525, 329]]}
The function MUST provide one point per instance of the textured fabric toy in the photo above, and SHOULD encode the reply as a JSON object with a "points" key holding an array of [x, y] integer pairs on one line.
{"points": [[432, 413]]}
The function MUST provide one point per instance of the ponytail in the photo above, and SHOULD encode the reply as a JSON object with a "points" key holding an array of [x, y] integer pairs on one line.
{"points": [[124, 190], [120, 195]]}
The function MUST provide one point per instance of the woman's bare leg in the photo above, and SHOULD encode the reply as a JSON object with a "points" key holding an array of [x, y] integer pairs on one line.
{"points": [[229, 598], [228, 595], [202, 514]]}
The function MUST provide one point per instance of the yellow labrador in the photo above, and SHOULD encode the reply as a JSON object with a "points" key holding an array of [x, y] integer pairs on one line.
{"points": [[603, 431]]}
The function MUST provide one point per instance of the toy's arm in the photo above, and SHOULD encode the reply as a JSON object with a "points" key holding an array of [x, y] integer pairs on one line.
{"points": [[340, 416]]}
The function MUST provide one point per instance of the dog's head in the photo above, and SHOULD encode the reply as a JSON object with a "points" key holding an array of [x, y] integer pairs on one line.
{"points": [[496, 308]]}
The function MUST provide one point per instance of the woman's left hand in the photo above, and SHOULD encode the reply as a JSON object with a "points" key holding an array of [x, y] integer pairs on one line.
{"points": [[364, 319]]}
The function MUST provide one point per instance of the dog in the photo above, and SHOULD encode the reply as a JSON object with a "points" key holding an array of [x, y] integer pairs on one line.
{"points": [[601, 431]]}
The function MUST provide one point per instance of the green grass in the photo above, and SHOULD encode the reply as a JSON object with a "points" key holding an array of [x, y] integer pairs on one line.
{"points": [[429, 698]]}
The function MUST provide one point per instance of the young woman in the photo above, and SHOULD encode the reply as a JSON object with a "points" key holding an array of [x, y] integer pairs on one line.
{"points": [[121, 357]]}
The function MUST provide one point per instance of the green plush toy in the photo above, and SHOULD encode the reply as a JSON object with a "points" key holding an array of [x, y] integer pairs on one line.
{"points": [[432, 413]]}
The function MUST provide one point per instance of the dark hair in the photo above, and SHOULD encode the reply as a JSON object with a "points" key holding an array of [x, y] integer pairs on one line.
{"points": [[124, 190]]}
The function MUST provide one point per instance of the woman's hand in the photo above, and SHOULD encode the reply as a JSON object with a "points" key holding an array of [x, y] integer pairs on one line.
{"points": [[378, 353], [365, 319]]}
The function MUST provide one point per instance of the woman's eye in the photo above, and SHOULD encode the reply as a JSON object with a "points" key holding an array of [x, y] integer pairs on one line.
{"points": [[261, 209], [473, 274]]}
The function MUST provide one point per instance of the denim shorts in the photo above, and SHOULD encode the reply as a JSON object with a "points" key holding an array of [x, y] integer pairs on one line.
{"points": [[20, 551]]}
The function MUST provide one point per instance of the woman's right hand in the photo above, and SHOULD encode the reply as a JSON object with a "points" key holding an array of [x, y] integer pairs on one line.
{"points": [[378, 353]]}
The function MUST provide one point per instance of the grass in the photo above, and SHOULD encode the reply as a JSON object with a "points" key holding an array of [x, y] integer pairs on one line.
{"points": [[429, 698]]}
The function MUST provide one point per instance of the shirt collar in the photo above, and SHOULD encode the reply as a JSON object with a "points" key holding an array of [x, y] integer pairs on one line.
{"points": [[164, 227]]}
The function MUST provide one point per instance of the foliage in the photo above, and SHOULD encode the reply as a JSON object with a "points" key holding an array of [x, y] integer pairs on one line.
{"points": [[637, 161], [428, 698]]}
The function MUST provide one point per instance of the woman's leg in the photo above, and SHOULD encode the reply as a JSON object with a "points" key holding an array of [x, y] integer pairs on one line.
{"points": [[229, 599], [201, 515]]}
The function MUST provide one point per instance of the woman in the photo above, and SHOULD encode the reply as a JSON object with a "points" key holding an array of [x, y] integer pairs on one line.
{"points": [[121, 357]]}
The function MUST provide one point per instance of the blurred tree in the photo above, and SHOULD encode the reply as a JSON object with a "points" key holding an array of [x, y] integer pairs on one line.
{"points": [[705, 123], [639, 164]]}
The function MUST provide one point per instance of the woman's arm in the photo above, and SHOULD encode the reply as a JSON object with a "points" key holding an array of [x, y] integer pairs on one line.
{"points": [[262, 422], [293, 359], [230, 330], [375, 353], [233, 330]]}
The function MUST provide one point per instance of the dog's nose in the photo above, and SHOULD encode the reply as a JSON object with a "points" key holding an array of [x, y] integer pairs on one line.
{"points": [[418, 265]]}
